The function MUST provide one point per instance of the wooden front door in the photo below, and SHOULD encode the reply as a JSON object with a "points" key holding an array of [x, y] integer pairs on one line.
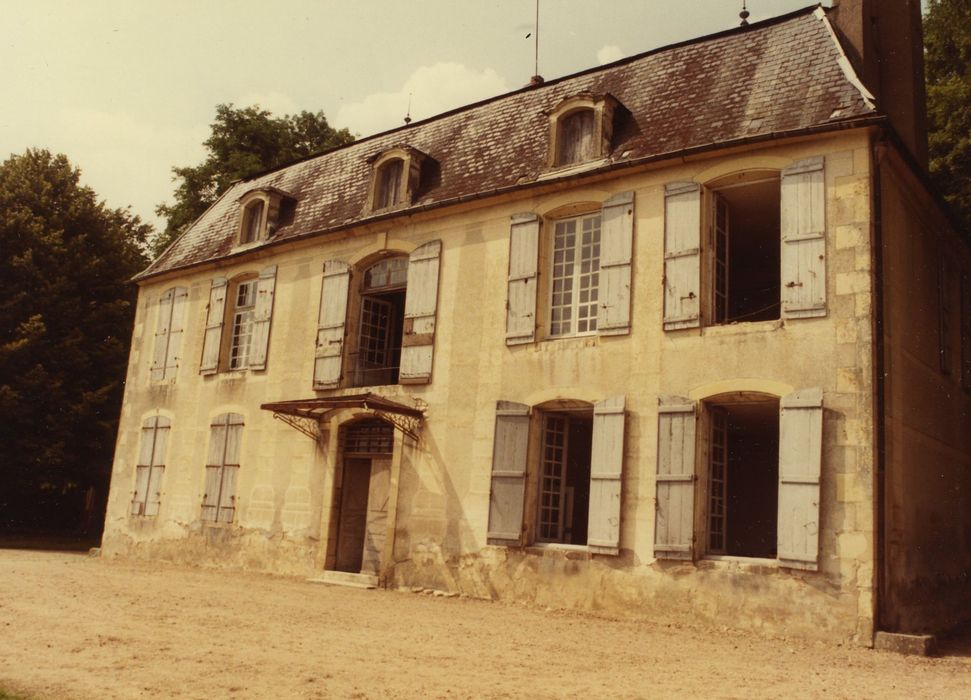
{"points": [[352, 523]]}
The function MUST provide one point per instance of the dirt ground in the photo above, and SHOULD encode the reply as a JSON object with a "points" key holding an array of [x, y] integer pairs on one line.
{"points": [[73, 626]]}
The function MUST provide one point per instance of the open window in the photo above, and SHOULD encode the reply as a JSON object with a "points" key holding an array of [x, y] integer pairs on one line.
{"points": [[746, 247], [243, 306], [581, 129], [586, 250], [755, 483], [262, 212], [396, 176], [556, 474], [377, 320]]}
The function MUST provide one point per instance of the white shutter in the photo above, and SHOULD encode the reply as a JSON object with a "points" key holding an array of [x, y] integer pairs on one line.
{"points": [[508, 473], [682, 255], [154, 487], [800, 459], [210, 499], [329, 351], [214, 326], [803, 231], [606, 469], [421, 302], [262, 317], [616, 249], [141, 488], [162, 335], [675, 482], [227, 495], [173, 356], [523, 261]]}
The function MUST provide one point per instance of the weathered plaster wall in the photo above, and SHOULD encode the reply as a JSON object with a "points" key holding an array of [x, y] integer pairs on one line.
{"points": [[438, 533], [928, 414]]}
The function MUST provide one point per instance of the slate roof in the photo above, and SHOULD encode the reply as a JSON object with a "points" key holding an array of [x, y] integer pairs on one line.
{"points": [[770, 79]]}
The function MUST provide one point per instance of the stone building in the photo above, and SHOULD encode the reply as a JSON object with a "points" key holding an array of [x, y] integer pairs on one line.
{"points": [[682, 335]]}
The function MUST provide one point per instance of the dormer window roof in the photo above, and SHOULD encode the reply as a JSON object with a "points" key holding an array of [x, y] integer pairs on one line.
{"points": [[395, 178], [581, 128], [261, 212]]}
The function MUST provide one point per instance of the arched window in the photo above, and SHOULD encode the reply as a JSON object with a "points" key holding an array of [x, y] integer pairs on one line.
{"points": [[381, 324], [388, 186], [581, 129], [252, 220], [575, 142]]}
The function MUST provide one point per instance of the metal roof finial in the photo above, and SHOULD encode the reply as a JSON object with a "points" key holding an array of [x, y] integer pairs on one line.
{"points": [[744, 15], [408, 115]]}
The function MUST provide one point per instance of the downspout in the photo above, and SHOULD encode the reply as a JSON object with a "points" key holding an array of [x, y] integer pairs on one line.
{"points": [[880, 574]]}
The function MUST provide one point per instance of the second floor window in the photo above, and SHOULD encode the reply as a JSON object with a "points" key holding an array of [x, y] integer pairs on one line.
{"points": [[243, 314], [575, 278]]}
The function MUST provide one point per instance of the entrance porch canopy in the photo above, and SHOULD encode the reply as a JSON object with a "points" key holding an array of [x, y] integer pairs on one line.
{"points": [[306, 414]]}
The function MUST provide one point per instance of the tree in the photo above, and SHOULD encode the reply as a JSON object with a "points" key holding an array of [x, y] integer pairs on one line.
{"points": [[65, 321], [947, 42], [243, 142]]}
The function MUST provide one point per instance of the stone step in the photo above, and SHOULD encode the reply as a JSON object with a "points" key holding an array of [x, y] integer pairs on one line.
{"points": [[345, 578]]}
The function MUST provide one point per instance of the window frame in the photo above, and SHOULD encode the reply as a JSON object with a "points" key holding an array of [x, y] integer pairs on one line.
{"points": [[603, 108], [575, 277], [228, 422], [407, 183], [241, 318]]}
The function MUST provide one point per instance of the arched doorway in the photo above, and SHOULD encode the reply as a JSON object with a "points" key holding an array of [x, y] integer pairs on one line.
{"points": [[361, 495]]}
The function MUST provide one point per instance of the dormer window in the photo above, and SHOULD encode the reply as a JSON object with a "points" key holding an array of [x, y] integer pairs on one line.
{"points": [[252, 222], [581, 128], [262, 212], [395, 178]]}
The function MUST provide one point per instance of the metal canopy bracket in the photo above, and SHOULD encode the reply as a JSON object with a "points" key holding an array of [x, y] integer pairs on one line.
{"points": [[306, 415]]}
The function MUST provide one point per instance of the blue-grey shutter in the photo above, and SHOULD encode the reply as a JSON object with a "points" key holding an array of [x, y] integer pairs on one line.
{"points": [[173, 354], [329, 350], [212, 340], [162, 335]]}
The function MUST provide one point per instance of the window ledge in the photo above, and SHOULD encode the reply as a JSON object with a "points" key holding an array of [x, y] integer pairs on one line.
{"points": [[742, 328], [555, 549], [572, 169], [721, 562], [557, 343]]}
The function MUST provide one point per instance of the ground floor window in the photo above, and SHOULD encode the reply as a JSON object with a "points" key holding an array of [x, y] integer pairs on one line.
{"points": [[564, 480], [222, 468], [151, 465]]}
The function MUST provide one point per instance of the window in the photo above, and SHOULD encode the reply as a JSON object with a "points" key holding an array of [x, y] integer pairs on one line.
{"points": [[243, 315], [564, 485], [252, 222], [396, 177], [581, 129], [575, 141], [222, 467], [388, 322], [589, 272], [151, 465], [757, 485], [389, 184], [747, 247], [169, 328], [575, 278], [249, 315]]}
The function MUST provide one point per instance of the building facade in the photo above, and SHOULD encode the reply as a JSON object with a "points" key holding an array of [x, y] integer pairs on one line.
{"points": [[683, 334]]}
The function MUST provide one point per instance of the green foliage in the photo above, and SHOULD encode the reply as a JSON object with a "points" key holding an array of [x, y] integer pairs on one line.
{"points": [[947, 42], [243, 142], [66, 313]]}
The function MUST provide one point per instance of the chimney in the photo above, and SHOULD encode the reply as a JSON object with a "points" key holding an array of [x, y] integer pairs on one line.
{"points": [[885, 43]]}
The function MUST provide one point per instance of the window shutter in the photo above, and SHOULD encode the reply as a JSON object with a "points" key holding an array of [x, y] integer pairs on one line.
{"points": [[162, 335], [262, 317], [616, 248], [141, 488], [330, 324], [675, 484], [210, 499], [508, 473], [803, 230], [214, 326], [800, 459], [421, 301], [606, 469], [682, 255], [227, 494], [154, 486], [173, 355], [523, 260]]}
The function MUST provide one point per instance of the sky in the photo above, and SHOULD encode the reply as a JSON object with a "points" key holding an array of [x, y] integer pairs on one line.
{"points": [[127, 89]]}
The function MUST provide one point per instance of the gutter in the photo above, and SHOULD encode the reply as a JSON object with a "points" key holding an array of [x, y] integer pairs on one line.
{"points": [[680, 154]]}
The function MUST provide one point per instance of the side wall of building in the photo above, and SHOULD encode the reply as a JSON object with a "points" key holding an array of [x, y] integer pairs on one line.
{"points": [[927, 407], [440, 511]]}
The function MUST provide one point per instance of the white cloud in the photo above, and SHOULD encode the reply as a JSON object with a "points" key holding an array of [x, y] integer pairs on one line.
{"points": [[127, 162], [276, 102], [433, 89], [609, 54]]}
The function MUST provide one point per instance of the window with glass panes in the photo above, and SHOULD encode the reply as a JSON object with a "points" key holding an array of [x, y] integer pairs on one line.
{"points": [[575, 278], [242, 324]]}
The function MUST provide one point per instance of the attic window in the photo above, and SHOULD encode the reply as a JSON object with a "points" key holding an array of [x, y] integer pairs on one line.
{"points": [[262, 212], [581, 129], [395, 178]]}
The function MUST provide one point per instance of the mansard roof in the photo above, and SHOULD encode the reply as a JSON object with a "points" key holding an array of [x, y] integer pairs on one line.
{"points": [[772, 79]]}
